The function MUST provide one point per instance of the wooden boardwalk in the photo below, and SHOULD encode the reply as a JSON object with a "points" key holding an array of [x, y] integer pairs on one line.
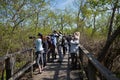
{"points": [[53, 71], [57, 71]]}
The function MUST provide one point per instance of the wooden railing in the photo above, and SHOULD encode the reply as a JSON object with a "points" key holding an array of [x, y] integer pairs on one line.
{"points": [[93, 66], [12, 66]]}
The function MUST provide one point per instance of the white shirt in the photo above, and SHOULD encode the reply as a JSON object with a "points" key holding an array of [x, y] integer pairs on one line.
{"points": [[74, 46], [39, 45]]}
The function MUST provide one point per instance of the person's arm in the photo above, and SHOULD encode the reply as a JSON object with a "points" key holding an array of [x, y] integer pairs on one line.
{"points": [[74, 41], [56, 35]]}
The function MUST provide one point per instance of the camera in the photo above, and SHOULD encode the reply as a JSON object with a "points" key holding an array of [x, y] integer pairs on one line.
{"points": [[32, 37]]}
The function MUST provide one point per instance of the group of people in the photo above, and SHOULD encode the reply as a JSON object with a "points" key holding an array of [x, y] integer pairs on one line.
{"points": [[48, 47]]}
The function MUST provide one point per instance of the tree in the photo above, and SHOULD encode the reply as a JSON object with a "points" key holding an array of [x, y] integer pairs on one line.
{"points": [[111, 36]]}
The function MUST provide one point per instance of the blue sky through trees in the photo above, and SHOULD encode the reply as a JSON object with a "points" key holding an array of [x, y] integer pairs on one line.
{"points": [[62, 4]]}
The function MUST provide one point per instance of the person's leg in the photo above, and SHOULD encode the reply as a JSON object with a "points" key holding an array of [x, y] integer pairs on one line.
{"points": [[44, 59], [72, 59], [48, 57], [38, 59], [75, 60], [64, 50], [60, 53], [42, 62], [53, 54]]}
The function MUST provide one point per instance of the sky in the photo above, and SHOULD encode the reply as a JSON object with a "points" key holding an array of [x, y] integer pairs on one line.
{"points": [[62, 4]]}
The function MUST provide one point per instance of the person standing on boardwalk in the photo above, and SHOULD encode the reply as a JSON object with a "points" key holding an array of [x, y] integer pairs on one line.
{"points": [[64, 44], [39, 52], [54, 37], [59, 47], [74, 46], [45, 46]]}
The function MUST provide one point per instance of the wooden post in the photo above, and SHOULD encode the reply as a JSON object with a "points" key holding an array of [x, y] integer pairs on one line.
{"points": [[7, 67], [3, 69], [12, 64], [31, 53], [2, 78], [91, 71]]}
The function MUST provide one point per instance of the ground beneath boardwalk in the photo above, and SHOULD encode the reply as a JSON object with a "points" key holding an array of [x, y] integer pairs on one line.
{"points": [[58, 71]]}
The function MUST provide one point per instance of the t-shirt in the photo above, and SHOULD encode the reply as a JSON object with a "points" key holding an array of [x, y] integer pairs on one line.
{"points": [[60, 40], [39, 45], [74, 45], [54, 39]]}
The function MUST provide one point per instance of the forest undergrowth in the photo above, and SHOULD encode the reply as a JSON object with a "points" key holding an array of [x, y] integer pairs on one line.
{"points": [[94, 46]]}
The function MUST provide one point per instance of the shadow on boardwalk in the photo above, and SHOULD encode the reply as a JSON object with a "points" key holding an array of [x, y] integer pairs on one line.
{"points": [[57, 71]]}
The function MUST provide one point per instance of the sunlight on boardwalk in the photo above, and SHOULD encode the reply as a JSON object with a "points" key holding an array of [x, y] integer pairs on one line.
{"points": [[57, 71]]}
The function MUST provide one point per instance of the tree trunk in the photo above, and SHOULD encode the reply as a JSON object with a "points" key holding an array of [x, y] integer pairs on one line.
{"points": [[103, 53], [94, 26], [111, 21], [111, 37], [78, 20]]}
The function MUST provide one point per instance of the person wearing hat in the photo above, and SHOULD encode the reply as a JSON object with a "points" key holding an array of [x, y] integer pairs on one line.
{"points": [[39, 52]]}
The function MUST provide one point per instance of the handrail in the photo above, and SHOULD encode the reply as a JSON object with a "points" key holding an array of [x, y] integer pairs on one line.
{"points": [[11, 54], [9, 59], [19, 73], [96, 64]]}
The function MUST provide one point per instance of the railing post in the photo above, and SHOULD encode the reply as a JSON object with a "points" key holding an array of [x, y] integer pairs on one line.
{"points": [[2, 69], [8, 69], [9, 65], [31, 53], [91, 71]]}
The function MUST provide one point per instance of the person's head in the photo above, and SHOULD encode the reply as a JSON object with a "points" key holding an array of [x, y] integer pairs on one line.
{"points": [[40, 35], [54, 31], [44, 38], [48, 37], [77, 35]]}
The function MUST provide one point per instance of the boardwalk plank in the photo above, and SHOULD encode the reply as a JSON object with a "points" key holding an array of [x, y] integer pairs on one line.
{"points": [[57, 71]]}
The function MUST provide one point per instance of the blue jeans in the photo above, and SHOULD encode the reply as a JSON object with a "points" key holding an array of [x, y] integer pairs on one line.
{"points": [[60, 53]]}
